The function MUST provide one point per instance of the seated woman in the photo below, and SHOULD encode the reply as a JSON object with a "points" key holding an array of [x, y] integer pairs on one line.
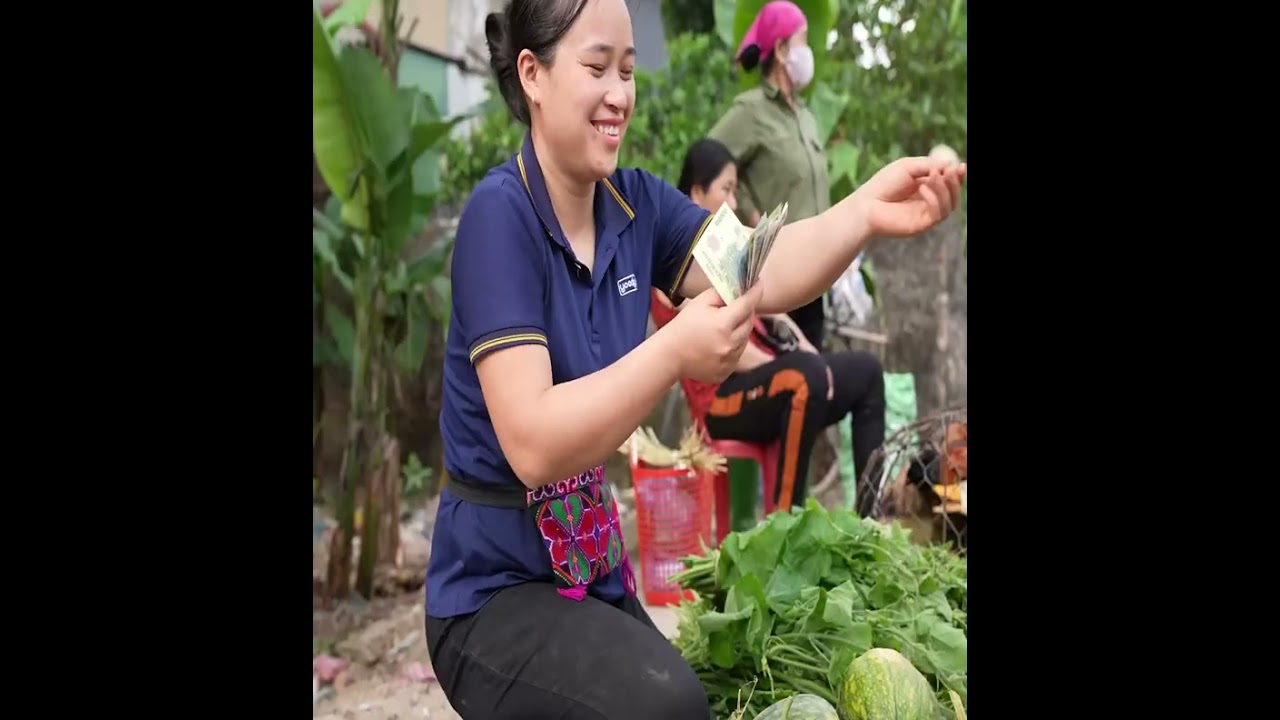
{"points": [[783, 387]]}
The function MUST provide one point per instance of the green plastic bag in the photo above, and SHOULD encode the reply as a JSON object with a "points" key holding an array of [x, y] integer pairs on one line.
{"points": [[899, 411]]}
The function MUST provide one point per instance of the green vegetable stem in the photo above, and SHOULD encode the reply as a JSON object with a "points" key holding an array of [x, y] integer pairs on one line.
{"points": [[784, 607]]}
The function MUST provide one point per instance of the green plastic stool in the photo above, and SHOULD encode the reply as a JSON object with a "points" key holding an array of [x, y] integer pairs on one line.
{"points": [[744, 491], [900, 411]]}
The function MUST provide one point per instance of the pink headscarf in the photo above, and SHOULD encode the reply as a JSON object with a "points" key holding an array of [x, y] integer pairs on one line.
{"points": [[777, 20]]}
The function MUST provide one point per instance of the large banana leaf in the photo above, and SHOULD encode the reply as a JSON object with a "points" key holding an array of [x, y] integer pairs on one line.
{"points": [[343, 332], [724, 14], [350, 12], [381, 117], [335, 136], [413, 348], [827, 104]]}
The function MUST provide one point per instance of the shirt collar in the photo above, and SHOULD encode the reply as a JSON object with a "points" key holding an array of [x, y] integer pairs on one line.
{"points": [[613, 211], [773, 92]]}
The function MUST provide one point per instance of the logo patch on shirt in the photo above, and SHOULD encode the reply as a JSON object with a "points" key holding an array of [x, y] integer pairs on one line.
{"points": [[627, 285]]}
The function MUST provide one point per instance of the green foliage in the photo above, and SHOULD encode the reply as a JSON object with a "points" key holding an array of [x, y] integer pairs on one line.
{"points": [[920, 100], [724, 12], [680, 17], [492, 142], [369, 134], [350, 12], [369, 137], [335, 136], [674, 107], [414, 475], [791, 602], [677, 105]]}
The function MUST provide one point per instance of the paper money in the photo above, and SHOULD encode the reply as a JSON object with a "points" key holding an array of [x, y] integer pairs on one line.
{"points": [[762, 242], [721, 253], [732, 255]]}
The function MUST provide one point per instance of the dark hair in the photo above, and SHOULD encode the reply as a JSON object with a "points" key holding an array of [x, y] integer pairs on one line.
{"points": [[703, 163], [750, 58], [534, 25]]}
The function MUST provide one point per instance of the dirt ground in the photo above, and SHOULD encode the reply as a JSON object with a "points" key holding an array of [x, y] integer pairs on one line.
{"points": [[388, 676], [385, 672]]}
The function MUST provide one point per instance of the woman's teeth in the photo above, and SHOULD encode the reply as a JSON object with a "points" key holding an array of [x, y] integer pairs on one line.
{"points": [[611, 130]]}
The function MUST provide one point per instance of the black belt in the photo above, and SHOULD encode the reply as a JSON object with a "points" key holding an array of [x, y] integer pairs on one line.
{"points": [[500, 496]]}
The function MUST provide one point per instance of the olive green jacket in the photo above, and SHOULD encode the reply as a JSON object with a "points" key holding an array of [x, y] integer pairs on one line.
{"points": [[778, 154]]}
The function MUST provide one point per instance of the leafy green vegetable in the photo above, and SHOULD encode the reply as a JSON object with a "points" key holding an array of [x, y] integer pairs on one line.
{"points": [[790, 603]]}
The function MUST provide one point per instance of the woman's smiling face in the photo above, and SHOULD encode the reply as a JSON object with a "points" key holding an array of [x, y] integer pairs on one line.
{"points": [[584, 99]]}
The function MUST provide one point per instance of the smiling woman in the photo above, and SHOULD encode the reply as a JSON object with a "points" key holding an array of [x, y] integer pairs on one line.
{"points": [[531, 606]]}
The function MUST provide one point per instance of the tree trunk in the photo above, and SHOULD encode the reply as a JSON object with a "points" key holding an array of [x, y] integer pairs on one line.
{"points": [[371, 533], [923, 287], [385, 491], [336, 394], [361, 428], [388, 537], [338, 577], [319, 197]]}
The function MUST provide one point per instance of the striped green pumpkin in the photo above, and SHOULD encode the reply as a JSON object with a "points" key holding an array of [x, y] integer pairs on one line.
{"points": [[883, 685], [799, 707]]}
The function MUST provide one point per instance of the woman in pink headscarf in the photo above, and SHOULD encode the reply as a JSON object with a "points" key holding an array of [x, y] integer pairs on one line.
{"points": [[774, 136]]}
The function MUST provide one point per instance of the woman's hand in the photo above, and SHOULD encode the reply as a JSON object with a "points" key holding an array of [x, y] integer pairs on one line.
{"points": [[910, 195], [708, 336], [905, 198]]}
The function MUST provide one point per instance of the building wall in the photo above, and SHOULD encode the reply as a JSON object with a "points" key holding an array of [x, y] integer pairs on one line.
{"points": [[428, 73], [647, 28], [466, 42], [432, 28]]}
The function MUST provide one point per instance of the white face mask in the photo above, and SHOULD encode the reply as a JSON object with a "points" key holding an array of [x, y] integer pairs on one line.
{"points": [[799, 65]]}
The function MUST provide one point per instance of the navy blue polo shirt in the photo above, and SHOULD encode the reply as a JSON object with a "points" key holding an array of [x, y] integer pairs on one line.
{"points": [[515, 282]]}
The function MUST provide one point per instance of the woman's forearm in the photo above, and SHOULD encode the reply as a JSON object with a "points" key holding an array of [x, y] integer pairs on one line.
{"points": [[576, 425], [809, 255]]}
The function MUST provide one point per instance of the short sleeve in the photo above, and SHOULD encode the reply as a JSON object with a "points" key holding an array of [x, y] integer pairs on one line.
{"points": [[680, 223], [498, 274], [738, 131]]}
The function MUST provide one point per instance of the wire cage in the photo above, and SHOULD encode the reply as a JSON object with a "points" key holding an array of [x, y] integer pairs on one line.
{"points": [[920, 473]]}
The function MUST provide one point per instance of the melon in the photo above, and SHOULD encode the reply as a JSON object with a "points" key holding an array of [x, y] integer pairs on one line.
{"points": [[883, 685], [799, 707]]}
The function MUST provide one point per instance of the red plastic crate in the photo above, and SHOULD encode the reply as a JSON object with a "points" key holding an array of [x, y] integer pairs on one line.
{"points": [[673, 520]]}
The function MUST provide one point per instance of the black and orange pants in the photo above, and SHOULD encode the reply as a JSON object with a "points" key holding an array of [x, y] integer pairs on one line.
{"points": [[786, 400]]}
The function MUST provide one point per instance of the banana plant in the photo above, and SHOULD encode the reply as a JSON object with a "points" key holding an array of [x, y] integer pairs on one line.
{"points": [[368, 136]]}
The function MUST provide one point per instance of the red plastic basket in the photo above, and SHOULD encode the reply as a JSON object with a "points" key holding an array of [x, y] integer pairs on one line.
{"points": [[673, 519]]}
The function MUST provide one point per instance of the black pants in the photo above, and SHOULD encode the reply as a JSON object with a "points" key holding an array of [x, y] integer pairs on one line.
{"points": [[787, 399], [812, 321], [530, 653]]}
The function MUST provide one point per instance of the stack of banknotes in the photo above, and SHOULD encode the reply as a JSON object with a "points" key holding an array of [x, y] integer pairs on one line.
{"points": [[732, 254]]}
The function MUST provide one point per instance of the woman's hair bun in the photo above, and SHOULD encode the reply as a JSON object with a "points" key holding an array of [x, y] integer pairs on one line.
{"points": [[503, 64], [750, 57], [495, 35]]}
